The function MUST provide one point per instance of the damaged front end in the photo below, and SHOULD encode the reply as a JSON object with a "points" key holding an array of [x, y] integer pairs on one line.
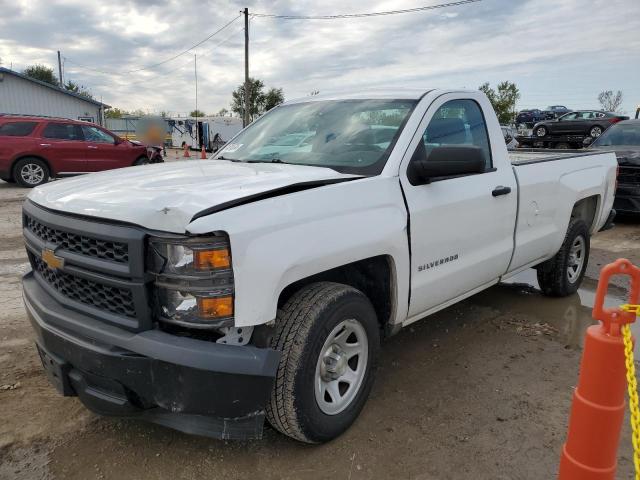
{"points": [[108, 331]]}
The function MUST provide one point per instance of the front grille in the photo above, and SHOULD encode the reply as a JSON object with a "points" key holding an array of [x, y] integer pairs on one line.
{"points": [[629, 175], [115, 300], [80, 244]]}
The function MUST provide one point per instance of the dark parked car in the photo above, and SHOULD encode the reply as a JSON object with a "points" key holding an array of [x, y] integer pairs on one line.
{"points": [[34, 149], [555, 111], [530, 117], [624, 139], [582, 122]]}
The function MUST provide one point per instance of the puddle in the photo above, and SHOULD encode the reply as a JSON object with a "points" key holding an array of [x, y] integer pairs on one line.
{"points": [[571, 316]]}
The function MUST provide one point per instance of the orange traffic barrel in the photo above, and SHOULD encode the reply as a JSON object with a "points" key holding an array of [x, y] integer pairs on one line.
{"points": [[597, 412]]}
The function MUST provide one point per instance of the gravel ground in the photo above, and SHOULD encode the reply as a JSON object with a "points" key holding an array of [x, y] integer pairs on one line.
{"points": [[481, 390]]}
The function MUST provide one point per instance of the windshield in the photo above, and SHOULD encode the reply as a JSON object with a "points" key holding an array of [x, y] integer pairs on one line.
{"points": [[620, 135], [350, 136]]}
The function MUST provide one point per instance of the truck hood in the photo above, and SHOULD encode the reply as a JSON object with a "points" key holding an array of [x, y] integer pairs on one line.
{"points": [[167, 196]]}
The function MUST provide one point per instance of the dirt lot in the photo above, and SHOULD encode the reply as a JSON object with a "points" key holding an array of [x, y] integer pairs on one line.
{"points": [[479, 391]]}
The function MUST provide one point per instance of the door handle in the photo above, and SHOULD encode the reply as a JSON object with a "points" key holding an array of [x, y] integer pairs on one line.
{"points": [[45, 144], [500, 190], [92, 147]]}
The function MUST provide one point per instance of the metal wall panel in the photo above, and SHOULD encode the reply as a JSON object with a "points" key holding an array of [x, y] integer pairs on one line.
{"points": [[21, 96]]}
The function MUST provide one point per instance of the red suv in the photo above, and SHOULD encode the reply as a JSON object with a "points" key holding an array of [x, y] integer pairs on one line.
{"points": [[34, 149]]}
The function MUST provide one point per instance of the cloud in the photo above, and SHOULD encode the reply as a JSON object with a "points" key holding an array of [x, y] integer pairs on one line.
{"points": [[555, 51]]}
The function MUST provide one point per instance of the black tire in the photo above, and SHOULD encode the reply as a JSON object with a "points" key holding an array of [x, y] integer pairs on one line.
{"points": [[30, 172], [141, 161], [596, 131], [541, 131], [8, 180], [554, 276], [303, 326]]}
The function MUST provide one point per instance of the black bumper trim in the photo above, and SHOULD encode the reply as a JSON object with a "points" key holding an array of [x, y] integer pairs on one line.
{"points": [[190, 385]]}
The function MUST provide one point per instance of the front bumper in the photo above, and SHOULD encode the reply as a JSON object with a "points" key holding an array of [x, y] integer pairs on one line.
{"points": [[191, 385]]}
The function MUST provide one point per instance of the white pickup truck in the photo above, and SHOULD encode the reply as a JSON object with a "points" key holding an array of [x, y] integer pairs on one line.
{"points": [[206, 295]]}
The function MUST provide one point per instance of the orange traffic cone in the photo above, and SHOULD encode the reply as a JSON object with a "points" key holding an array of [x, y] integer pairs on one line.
{"points": [[203, 153], [598, 401], [186, 151]]}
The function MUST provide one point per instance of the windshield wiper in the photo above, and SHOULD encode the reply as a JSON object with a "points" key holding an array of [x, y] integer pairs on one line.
{"points": [[269, 160], [221, 157]]}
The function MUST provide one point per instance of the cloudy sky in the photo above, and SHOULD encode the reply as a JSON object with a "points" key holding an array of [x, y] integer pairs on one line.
{"points": [[556, 51]]}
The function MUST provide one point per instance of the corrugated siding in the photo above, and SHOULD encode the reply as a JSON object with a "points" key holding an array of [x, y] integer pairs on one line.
{"points": [[24, 97]]}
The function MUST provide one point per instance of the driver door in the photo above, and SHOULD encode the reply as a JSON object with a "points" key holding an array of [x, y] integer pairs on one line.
{"points": [[102, 149], [461, 232]]}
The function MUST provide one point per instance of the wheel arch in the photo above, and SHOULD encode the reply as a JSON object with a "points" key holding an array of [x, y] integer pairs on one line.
{"points": [[376, 277], [39, 157], [586, 209]]}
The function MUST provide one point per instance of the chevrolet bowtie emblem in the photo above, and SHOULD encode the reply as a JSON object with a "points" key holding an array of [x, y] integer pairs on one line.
{"points": [[51, 259]]}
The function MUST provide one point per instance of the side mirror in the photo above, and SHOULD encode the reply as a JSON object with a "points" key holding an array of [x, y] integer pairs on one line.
{"points": [[444, 161], [587, 141]]}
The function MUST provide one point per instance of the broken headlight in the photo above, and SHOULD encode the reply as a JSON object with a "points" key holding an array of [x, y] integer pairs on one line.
{"points": [[193, 280]]}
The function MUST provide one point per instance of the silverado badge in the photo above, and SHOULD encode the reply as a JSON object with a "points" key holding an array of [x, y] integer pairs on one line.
{"points": [[51, 259]]}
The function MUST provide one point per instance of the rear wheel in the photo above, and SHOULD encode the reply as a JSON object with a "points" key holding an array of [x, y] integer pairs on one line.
{"points": [[329, 337], [595, 131], [562, 275], [541, 131], [30, 172]]}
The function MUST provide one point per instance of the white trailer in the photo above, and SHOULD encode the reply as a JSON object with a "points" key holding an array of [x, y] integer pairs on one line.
{"points": [[210, 132]]}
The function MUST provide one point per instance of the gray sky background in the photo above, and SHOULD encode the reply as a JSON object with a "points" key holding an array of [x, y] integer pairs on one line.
{"points": [[556, 51]]}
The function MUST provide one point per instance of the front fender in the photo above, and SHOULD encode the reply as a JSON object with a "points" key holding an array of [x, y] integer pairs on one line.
{"points": [[278, 241]]}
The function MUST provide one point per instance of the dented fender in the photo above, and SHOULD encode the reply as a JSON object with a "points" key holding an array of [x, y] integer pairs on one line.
{"points": [[280, 240]]}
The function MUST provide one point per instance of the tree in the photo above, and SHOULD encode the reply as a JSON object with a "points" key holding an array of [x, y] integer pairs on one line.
{"points": [[197, 113], [609, 101], [223, 112], [74, 87], [503, 100], [273, 98], [115, 112], [42, 73], [259, 101], [256, 97]]}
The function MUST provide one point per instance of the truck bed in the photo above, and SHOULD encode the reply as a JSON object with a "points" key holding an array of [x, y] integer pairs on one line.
{"points": [[526, 156]]}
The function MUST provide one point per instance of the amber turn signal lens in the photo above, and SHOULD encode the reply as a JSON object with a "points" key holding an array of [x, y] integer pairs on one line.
{"points": [[211, 259], [215, 307]]}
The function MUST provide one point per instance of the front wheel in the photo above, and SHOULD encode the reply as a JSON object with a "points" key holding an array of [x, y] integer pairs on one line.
{"points": [[329, 337], [562, 275], [541, 132], [141, 161]]}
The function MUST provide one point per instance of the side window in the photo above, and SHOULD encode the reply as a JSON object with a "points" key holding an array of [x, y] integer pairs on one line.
{"points": [[94, 134], [17, 129], [569, 116], [458, 122], [62, 131]]}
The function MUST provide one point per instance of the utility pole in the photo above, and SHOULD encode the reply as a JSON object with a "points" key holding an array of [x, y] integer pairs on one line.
{"points": [[60, 70], [245, 121], [195, 68]]}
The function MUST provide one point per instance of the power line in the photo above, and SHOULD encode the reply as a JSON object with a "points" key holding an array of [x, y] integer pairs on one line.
{"points": [[361, 15], [190, 62], [148, 67]]}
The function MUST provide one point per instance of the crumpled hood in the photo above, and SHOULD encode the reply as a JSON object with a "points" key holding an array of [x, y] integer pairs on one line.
{"points": [[166, 196]]}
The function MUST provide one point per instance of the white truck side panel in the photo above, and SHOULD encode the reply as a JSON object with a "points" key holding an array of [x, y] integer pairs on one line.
{"points": [[548, 191], [278, 241]]}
